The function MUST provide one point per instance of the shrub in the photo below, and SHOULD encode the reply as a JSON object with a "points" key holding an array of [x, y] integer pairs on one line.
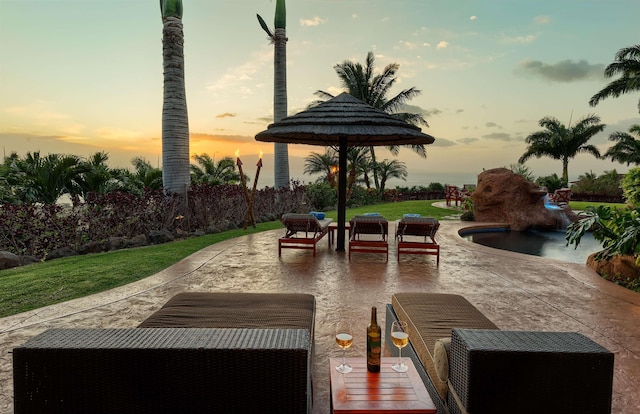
{"points": [[631, 186], [551, 182], [321, 196]]}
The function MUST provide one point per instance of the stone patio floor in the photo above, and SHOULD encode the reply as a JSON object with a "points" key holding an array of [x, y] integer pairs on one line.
{"points": [[517, 292]]}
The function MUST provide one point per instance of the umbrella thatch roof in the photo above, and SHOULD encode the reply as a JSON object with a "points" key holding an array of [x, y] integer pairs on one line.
{"points": [[344, 116]]}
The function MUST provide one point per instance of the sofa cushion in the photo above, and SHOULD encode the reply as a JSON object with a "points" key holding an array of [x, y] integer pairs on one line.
{"points": [[235, 310]]}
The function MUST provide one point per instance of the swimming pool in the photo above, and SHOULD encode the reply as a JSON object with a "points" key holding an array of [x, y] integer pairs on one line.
{"points": [[550, 244]]}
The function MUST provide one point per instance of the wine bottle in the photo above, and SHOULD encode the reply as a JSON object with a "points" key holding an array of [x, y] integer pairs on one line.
{"points": [[374, 342]]}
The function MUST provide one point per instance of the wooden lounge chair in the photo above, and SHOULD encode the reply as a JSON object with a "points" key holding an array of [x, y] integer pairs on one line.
{"points": [[303, 231], [423, 227], [375, 230]]}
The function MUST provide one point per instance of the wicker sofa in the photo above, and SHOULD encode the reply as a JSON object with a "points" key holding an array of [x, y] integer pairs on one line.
{"points": [[470, 366], [200, 353]]}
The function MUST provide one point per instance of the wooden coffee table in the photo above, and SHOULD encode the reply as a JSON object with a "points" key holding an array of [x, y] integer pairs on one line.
{"points": [[387, 391]]}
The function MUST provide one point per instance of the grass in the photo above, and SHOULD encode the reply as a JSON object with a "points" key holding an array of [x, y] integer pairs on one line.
{"points": [[41, 284], [581, 205]]}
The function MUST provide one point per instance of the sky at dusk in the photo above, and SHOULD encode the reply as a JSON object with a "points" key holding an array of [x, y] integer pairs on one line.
{"points": [[82, 76]]}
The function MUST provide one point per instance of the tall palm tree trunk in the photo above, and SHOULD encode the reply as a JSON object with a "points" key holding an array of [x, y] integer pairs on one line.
{"points": [[281, 151], [175, 122]]}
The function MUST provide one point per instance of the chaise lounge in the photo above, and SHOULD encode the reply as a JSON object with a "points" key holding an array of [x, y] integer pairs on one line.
{"points": [[369, 234], [302, 231], [201, 352], [425, 229]]}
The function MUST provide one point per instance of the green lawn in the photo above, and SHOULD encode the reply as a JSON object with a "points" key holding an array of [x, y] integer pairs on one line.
{"points": [[41, 284]]}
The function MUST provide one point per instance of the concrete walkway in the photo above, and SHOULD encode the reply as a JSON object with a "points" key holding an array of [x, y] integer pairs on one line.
{"points": [[517, 292]]}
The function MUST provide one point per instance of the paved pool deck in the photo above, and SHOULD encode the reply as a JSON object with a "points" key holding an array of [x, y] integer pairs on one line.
{"points": [[515, 291]]}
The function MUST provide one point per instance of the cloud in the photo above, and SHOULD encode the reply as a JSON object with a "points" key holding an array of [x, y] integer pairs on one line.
{"points": [[239, 77], [315, 21], [499, 136], [519, 39], [226, 115], [492, 125], [564, 71], [473, 18], [542, 19], [442, 44], [468, 141], [459, 111]]}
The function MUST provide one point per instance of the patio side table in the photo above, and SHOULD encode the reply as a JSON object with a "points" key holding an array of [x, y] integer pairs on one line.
{"points": [[361, 391]]}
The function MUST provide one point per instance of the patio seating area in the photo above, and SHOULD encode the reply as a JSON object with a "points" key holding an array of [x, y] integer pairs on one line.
{"points": [[514, 291]]}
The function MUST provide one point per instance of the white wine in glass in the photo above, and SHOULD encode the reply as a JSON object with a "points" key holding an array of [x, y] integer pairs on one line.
{"points": [[400, 339], [344, 339]]}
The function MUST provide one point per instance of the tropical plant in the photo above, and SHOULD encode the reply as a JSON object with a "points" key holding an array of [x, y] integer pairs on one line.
{"points": [[390, 169], [631, 186], [321, 195], [551, 182], [279, 39], [617, 230], [522, 170], [626, 64], [361, 83], [626, 148], [145, 176], [96, 176], [207, 171], [563, 143], [325, 164], [37, 179], [175, 121]]}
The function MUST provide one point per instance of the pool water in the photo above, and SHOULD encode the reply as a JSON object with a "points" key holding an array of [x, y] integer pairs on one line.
{"points": [[550, 244]]}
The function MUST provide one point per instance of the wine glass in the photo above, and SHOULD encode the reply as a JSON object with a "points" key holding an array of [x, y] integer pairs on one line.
{"points": [[400, 339], [344, 339]]}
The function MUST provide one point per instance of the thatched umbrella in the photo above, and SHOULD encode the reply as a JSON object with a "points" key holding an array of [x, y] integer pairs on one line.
{"points": [[344, 121]]}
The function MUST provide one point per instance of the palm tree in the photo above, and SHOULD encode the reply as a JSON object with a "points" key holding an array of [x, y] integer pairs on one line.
{"points": [[175, 121], [145, 175], [361, 83], [627, 147], [390, 169], [563, 143], [325, 164], [209, 172], [279, 39], [96, 175], [39, 179], [627, 64]]}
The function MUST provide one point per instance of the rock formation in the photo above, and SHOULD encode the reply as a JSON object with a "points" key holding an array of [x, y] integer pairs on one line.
{"points": [[502, 196]]}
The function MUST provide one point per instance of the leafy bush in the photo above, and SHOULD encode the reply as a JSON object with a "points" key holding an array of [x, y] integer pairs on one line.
{"points": [[606, 184], [321, 196], [361, 196], [551, 182], [37, 229], [617, 230], [631, 186]]}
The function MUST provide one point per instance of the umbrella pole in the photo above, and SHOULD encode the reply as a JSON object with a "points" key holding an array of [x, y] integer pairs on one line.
{"points": [[342, 192]]}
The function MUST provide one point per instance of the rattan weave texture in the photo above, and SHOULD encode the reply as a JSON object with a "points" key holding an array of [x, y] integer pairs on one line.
{"points": [[530, 372], [163, 370]]}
